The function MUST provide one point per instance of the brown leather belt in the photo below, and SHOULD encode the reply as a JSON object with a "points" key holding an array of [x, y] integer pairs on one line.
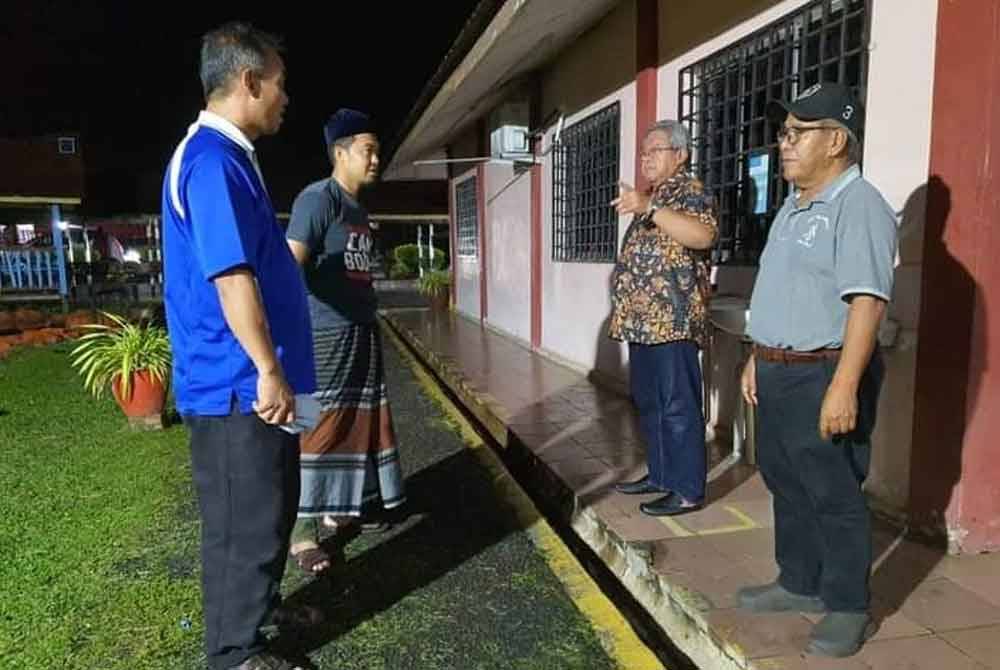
{"points": [[772, 355]]}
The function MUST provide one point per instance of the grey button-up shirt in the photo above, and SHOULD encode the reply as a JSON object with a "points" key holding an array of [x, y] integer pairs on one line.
{"points": [[843, 243]]}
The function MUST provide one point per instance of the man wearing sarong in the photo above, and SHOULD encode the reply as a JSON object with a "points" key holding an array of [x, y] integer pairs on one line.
{"points": [[350, 459]]}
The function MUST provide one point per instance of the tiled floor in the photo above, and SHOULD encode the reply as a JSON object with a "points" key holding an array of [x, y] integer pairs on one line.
{"points": [[935, 611]]}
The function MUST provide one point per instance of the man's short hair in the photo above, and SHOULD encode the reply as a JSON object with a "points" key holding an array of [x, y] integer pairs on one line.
{"points": [[342, 142], [230, 49], [853, 149], [676, 132]]}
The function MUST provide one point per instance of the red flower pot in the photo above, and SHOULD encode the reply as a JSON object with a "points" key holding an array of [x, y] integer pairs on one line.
{"points": [[146, 395], [441, 301]]}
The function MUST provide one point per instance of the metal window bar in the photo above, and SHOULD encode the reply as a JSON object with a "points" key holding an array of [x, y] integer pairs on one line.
{"points": [[723, 99], [585, 174], [467, 218]]}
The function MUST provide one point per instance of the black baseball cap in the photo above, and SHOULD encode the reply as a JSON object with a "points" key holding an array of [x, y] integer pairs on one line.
{"points": [[826, 100]]}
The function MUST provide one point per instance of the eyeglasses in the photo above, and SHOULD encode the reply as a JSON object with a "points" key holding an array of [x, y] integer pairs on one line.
{"points": [[652, 151], [792, 134]]}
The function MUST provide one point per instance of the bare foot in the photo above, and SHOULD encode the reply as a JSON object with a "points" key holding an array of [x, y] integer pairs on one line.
{"points": [[310, 557]]}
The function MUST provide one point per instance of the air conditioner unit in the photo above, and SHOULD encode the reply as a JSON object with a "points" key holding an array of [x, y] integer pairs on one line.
{"points": [[67, 145], [510, 141]]}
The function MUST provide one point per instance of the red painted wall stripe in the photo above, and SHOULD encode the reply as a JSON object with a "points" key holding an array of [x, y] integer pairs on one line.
{"points": [[536, 256], [953, 468], [647, 26]]}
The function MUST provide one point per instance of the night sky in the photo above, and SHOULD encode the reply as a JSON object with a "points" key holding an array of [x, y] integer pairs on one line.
{"points": [[125, 75]]}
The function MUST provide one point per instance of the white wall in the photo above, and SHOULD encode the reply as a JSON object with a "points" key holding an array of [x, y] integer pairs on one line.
{"points": [[508, 267], [897, 156], [467, 299], [575, 296]]}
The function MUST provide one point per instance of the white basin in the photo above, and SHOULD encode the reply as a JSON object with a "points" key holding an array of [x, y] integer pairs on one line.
{"points": [[729, 313]]}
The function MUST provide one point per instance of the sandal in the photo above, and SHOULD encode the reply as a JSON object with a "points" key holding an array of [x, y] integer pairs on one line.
{"points": [[373, 527], [308, 559], [266, 661], [345, 524]]}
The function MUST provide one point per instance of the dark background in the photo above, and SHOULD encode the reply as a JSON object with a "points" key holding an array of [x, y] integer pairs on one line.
{"points": [[125, 76]]}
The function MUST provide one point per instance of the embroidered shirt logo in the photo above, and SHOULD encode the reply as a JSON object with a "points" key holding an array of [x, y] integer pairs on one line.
{"points": [[812, 229]]}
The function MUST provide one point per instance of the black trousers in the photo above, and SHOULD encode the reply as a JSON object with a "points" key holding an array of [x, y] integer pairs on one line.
{"points": [[246, 473], [822, 524]]}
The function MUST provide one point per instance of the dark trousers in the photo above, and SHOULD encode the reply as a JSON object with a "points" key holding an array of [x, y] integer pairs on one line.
{"points": [[822, 525], [666, 389], [247, 477]]}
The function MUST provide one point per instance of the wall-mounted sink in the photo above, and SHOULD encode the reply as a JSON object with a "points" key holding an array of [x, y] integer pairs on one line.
{"points": [[729, 313]]}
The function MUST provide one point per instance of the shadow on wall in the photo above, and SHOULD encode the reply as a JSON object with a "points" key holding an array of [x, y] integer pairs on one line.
{"points": [[610, 366], [949, 366]]}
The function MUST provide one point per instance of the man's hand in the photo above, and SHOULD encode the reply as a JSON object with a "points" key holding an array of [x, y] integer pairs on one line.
{"points": [[748, 382], [275, 402], [839, 414], [629, 200]]}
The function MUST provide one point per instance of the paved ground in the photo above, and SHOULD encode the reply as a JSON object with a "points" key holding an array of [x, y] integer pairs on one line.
{"points": [[571, 440], [456, 584]]}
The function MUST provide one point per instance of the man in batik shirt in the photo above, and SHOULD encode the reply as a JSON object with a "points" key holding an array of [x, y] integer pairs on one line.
{"points": [[659, 300]]}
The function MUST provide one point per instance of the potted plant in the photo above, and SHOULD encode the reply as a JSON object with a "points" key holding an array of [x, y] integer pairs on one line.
{"points": [[133, 360], [436, 284]]}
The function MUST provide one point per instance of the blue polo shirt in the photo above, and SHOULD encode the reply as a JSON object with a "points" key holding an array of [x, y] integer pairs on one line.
{"points": [[841, 244], [217, 216]]}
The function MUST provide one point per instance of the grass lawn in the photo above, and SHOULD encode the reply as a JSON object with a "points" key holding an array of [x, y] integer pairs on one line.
{"points": [[99, 549], [98, 529]]}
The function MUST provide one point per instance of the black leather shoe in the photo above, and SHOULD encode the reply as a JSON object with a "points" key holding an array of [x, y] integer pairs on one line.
{"points": [[669, 505], [638, 487]]}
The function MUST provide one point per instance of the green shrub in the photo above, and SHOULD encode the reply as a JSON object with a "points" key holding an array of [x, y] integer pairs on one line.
{"points": [[434, 282], [405, 262]]}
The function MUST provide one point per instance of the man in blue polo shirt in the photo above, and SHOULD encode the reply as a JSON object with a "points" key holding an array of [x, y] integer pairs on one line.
{"points": [[241, 339]]}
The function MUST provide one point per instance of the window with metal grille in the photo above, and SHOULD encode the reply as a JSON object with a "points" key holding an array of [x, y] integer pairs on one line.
{"points": [[584, 181], [467, 218], [723, 99]]}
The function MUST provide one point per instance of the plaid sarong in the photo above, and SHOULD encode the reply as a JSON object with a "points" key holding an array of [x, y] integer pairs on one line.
{"points": [[350, 458]]}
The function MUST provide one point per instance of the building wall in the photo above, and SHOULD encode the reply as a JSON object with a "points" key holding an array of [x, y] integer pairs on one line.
{"points": [[34, 167], [596, 65], [419, 172], [508, 246], [955, 470], [897, 154], [687, 24], [469, 144], [596, 71], [576, 301], [897, 141]]}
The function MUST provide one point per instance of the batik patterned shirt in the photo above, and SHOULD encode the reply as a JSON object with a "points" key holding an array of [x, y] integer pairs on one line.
{"points": [[660, 288]]}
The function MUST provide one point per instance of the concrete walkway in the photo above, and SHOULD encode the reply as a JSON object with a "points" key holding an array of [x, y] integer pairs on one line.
{"points": [[576, 439]]}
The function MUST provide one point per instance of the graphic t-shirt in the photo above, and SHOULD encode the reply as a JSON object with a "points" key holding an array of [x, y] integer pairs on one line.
{"points": [[334, 226]]}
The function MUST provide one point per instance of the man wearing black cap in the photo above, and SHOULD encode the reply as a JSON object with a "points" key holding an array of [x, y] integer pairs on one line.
{"points": [[824, 281], [350, 457]]}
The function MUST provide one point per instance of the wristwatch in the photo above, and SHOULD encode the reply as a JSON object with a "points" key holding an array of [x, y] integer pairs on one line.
{"points": [[648, 222]]}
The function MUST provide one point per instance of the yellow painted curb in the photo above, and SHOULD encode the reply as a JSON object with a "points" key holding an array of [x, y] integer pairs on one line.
{"points": [[617, 637]]}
